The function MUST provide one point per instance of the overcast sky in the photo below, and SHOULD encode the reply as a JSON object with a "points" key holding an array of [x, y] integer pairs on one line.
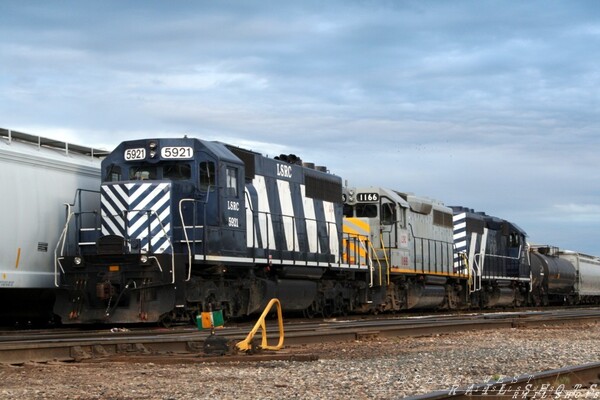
{"points": [[492, 105]]}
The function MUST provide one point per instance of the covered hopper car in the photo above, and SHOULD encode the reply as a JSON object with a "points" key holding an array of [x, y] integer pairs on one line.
{"points": [[37, 176]]}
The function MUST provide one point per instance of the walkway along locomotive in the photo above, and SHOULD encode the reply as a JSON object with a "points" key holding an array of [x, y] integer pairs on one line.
{"points": [[188, 224]]}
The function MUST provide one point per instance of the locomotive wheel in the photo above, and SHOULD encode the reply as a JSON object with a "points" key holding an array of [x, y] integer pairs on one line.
{"points": [[328, 311], [345, 309], [166, 321], [309, 312]]}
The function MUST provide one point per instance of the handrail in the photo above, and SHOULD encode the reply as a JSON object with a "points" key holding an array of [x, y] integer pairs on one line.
{"points": [[187, 240], [63, 239], [270, 219], [465, 260], [477, 281], [162, 228], [364, 243], [506, 257], [246, 344], [387, 261], [498, 263], [424, 240], [378, 263], [249, 207]]}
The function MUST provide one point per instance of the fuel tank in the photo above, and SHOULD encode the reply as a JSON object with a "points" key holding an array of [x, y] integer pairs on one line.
{"points": [[426, 297]]}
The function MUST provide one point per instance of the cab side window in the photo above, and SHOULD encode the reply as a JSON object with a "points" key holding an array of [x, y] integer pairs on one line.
{"points": [[388, 213], [207, 176], [232, 181]]}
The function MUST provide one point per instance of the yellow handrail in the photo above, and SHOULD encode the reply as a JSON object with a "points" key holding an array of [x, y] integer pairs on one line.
{"points": [[246, 344], [378, 262], [387, 262]]}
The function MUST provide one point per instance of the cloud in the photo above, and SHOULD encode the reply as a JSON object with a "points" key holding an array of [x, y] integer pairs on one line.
{"points": [[491, 105], [578, 213]]}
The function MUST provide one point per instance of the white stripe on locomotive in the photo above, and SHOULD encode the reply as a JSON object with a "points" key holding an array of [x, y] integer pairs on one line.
{"points": [[334, 247], [460, 239], [264, 216], [251, 228], [287, 211], [311, 223]]}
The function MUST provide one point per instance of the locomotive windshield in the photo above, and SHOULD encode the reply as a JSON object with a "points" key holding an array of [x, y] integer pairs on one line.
{"points": [[360, 210], [142, 172], [366, 210], [175, 171]]}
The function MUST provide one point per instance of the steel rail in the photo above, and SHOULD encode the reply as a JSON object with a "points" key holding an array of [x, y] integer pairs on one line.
{"points": [[581, 381], [77, 346]]}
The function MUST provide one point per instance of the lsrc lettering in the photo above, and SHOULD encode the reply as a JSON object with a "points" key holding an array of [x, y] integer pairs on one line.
{"points": [[284, 171]]}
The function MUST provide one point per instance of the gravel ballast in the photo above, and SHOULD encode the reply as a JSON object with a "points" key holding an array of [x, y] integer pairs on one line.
{"points": [[386, 368]]}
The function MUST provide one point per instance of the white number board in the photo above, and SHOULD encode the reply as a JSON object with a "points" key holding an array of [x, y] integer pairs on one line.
{"points": [[135, 154], [176, 152]]}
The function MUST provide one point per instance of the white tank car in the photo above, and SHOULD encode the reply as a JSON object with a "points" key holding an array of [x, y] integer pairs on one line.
{"points": [[588, 272], [38, 176]]}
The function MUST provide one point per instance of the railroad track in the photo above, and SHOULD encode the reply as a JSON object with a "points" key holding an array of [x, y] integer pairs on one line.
{"points": [[581, 381], [187, 344]]}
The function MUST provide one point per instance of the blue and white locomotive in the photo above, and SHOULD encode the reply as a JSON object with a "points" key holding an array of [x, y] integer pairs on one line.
{"points": [[187, 224], [495, 252]]}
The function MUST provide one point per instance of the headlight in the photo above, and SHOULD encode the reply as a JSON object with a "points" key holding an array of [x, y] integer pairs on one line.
{"points": [[77, 261], [144, 259]]}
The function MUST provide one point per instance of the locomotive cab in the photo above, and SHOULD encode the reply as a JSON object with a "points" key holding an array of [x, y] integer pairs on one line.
{"points": [[379, 214], [162, 202], [177, 194]]}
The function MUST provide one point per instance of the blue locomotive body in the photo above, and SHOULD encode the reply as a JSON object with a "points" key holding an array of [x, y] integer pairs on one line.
{"points": [[187, 224], [495, 252]]}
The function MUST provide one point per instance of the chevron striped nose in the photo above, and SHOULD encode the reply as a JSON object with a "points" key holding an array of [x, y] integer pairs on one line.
{"points": [[138, 212], [460, 241]]}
